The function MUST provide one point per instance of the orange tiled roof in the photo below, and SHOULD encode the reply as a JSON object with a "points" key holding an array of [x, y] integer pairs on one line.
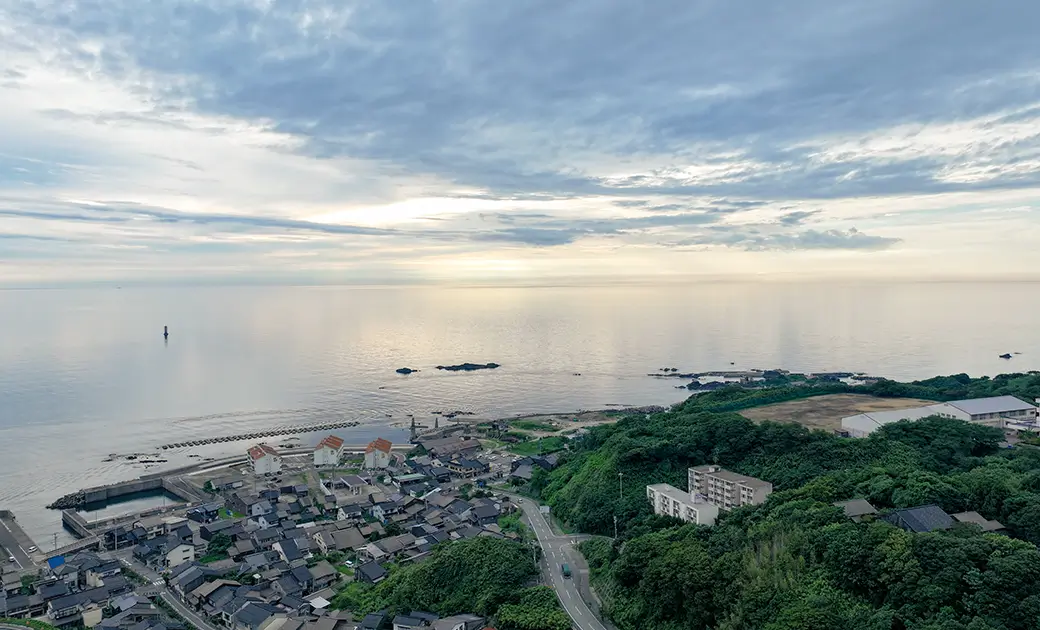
{"points": [[332, 441], [379, 444]]}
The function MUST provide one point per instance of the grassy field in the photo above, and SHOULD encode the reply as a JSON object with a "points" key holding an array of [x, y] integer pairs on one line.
{"points": [[543, 446], [534, 425], [826, 412]]}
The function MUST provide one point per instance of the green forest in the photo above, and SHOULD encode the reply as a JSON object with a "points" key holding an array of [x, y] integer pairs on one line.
{"points": [[796, 562], [492, 577]]}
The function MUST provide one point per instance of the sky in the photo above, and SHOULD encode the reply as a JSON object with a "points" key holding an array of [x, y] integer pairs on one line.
{"points": [[340, 141]]}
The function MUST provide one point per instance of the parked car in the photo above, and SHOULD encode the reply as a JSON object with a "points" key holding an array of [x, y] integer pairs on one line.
{"points": [[33, 549]]}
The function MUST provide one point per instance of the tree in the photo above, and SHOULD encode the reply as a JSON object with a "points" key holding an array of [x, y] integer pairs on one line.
{"points": [[537, 609], [218, 545], [475, 575]]}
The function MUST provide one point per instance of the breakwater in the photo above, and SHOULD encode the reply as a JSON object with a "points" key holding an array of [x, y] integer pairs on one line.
{"points": [[101, 494], [293, 430]]}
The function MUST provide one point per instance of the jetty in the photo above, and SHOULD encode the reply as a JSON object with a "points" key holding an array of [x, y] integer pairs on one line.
{"points": [[291, 430]]}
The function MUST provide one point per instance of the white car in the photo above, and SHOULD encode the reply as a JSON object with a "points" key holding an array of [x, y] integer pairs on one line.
{"points": [[10, 558], [33, 549]]}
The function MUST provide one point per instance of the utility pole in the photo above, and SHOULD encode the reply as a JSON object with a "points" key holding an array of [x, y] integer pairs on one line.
{"points": [[621, 489], [615, 527]]}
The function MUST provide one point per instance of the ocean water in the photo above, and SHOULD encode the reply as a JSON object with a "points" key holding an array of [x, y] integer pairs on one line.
{"points": [[85, 373]]}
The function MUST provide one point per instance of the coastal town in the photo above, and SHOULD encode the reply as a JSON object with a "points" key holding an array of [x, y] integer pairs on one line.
{"points": [[270, 538]]}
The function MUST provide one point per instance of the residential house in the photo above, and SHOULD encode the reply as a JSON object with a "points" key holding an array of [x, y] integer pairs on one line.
{"points": [[203, 593], [289, 550], [414, 620], [522, 473], [53, 590], [94, 577], [209, 530], [177, 552], [323, 575], [484, 515], [191, 578], [858, 510], [467, 468], [352, 513], [328, 451], [370, 572], [377, 454], [373, 621], [252, 615], [920, 519], [266, 460], [153, 526], [459, 622], [339, 540], [450, 447], [204, 513], [975, 518], [131, 611]]}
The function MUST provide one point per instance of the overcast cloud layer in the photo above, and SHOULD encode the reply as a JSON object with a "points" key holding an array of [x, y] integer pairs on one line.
{"points": [[451, 140]]}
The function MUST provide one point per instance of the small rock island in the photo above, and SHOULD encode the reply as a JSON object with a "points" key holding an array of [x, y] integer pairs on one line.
{"points": [[405, 370], [468, 367]]}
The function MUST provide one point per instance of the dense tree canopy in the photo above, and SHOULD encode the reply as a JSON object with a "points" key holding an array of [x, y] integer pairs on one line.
{"points": [[487, 576], [797, 562]]}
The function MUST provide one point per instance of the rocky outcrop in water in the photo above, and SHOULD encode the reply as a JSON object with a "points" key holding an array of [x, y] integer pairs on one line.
{"points": [[468, 367], [405, 370], [69, 502]]}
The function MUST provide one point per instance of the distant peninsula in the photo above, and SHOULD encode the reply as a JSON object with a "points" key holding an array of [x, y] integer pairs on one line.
{"points": [[469, 367]]}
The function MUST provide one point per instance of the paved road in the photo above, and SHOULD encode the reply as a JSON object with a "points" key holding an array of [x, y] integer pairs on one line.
{"points": [[12, 547], [555, 551], [157, 586]]}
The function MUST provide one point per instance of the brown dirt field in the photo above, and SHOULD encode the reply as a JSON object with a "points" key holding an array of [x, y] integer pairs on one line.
{"points": [[826, 412]]}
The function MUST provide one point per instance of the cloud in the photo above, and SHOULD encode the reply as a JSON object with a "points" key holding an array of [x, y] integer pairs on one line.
{"points": [[797, 217], [753, 240], [488, 127]]}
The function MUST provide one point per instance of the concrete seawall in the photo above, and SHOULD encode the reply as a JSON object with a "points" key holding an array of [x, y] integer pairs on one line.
{"points": [[149, 483]]}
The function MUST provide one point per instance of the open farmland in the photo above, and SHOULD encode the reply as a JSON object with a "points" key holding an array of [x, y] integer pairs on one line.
{"points": [[826, 412]]}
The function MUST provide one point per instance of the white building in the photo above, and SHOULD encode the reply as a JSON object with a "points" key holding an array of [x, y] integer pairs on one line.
{"points": [[725, 488], [671, 501], [178, 554], [328, 451], [863, 424], [266, 460], [377, 453], [996, 411]]}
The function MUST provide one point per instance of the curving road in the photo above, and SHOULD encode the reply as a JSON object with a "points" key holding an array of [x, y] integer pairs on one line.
{"points": [[157, 587], [555, 552]]}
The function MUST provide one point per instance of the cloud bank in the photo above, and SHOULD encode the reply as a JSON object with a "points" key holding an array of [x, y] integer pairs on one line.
{"points": [[465, 140]]}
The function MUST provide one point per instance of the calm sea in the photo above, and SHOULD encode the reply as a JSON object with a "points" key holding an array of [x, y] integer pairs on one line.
{"points": [[85, 373]]}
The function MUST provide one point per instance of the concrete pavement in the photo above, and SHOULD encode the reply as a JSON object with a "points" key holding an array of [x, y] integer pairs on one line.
{"points": [[15, 543], [556, 551]]}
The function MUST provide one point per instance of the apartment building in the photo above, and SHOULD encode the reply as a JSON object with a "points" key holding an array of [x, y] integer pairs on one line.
{"points": [[671, 501], [727, 489]]}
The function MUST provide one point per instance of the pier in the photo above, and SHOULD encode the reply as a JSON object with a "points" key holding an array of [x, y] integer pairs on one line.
{"points": [[293, 430]]}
